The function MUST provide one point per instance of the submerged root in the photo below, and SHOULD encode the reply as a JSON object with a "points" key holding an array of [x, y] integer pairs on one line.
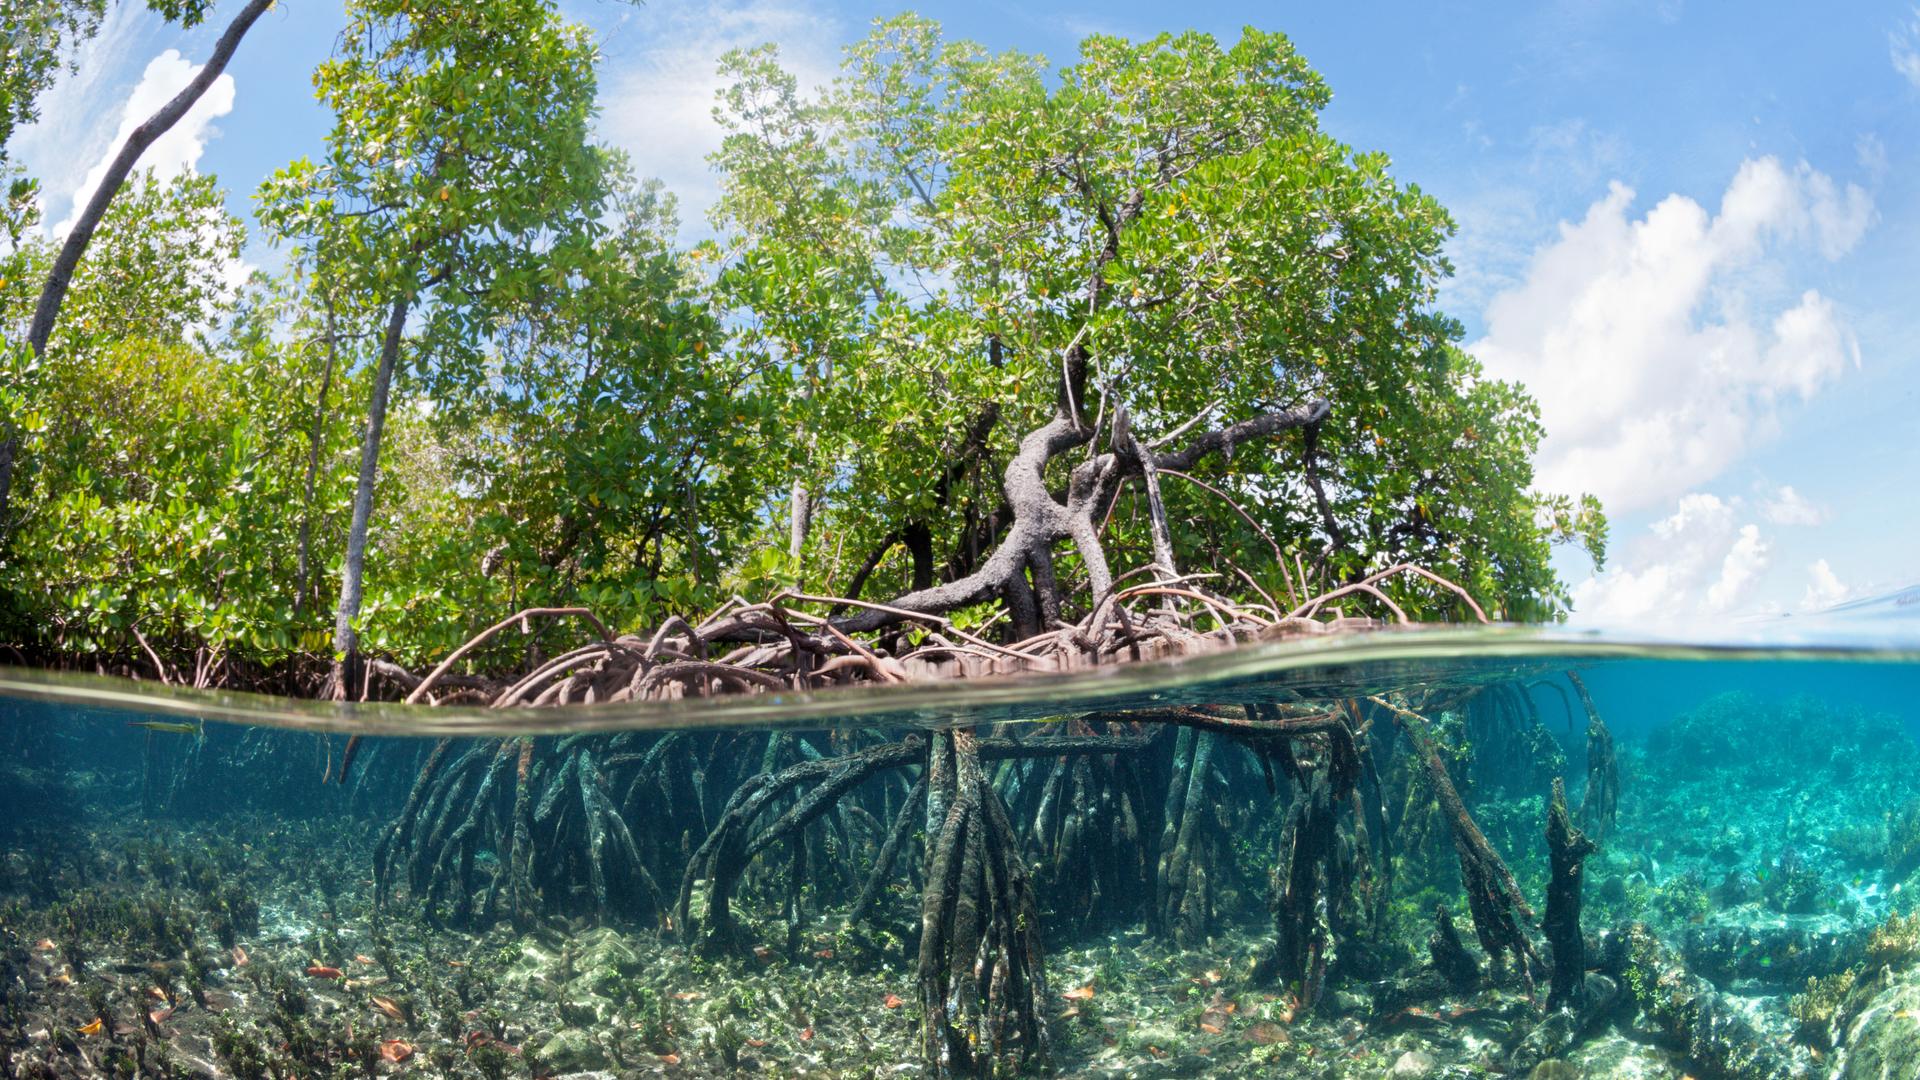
{"points": [[770, 823], [717, 866], [1602, 800], [1493, 897], [877, 878], [981, 974], [547, 818]]}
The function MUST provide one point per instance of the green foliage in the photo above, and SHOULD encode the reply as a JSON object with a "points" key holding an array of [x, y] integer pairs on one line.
{"points": [[928, 238], [588, 413], [159, 453], [460, 134], [604, 456], [460, 182], [43, 36]]}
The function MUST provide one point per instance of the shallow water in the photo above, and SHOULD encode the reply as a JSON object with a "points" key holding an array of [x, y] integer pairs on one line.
{"points": [[535, 893]]}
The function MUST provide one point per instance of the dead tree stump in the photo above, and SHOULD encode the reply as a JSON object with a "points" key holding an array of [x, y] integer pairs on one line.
{"points": [[1567, 849]]}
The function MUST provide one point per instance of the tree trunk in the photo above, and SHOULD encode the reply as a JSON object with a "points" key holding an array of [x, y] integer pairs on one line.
{"points": [[54, 292], [9, 446], [1126, 443], [799, 518], [346, 640]]}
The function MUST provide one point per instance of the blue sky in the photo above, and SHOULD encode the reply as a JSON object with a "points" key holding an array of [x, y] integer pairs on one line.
{"points": [[1692, 229]]}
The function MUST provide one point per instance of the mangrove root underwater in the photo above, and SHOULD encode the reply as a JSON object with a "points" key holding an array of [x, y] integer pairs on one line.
{"points": [[1602, 800], [982, 980], [1493, 897]]}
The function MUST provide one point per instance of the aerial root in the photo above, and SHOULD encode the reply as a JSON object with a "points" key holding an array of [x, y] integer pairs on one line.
{"points": [[783, 648]]}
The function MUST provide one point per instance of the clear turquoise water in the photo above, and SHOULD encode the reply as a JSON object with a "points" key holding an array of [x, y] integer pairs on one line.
{"points": [[1768, 822]]}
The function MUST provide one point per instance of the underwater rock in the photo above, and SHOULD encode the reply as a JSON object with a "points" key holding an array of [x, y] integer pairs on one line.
{"points": [[572, 1050], [1412, 1065], [1562, 1028], [1612, 890], [1556, 1070], [1347, 1003], [1883, 1040], [602, 949], [1738, 887], [1685, 1011], [1795, 886], [1610, 1053], [1787, 953], [1421, 985]]}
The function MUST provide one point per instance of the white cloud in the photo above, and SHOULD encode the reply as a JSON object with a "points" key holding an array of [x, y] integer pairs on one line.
{"points": [[1739, 569], [1788, 507], [174, 153], [75, 122], [1501, 223], [1840, 217], [1638, 338], [1871, 153], [1824, 588], [1700, 560], [657, 99], [1904, 43]]}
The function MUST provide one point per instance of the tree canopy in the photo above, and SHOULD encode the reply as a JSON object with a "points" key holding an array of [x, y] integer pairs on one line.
{"points": [[942, 294], [927, 249]]}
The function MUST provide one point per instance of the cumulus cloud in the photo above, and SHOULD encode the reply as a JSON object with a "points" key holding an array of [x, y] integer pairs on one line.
{"points": [[1700, 560], [1739, 569], [1788, 507], [657, 97], [1824, 588], [174, 153], [1641, 340]]}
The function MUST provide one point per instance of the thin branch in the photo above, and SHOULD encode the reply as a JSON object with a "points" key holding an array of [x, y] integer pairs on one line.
{"points": [[481, 638]]}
